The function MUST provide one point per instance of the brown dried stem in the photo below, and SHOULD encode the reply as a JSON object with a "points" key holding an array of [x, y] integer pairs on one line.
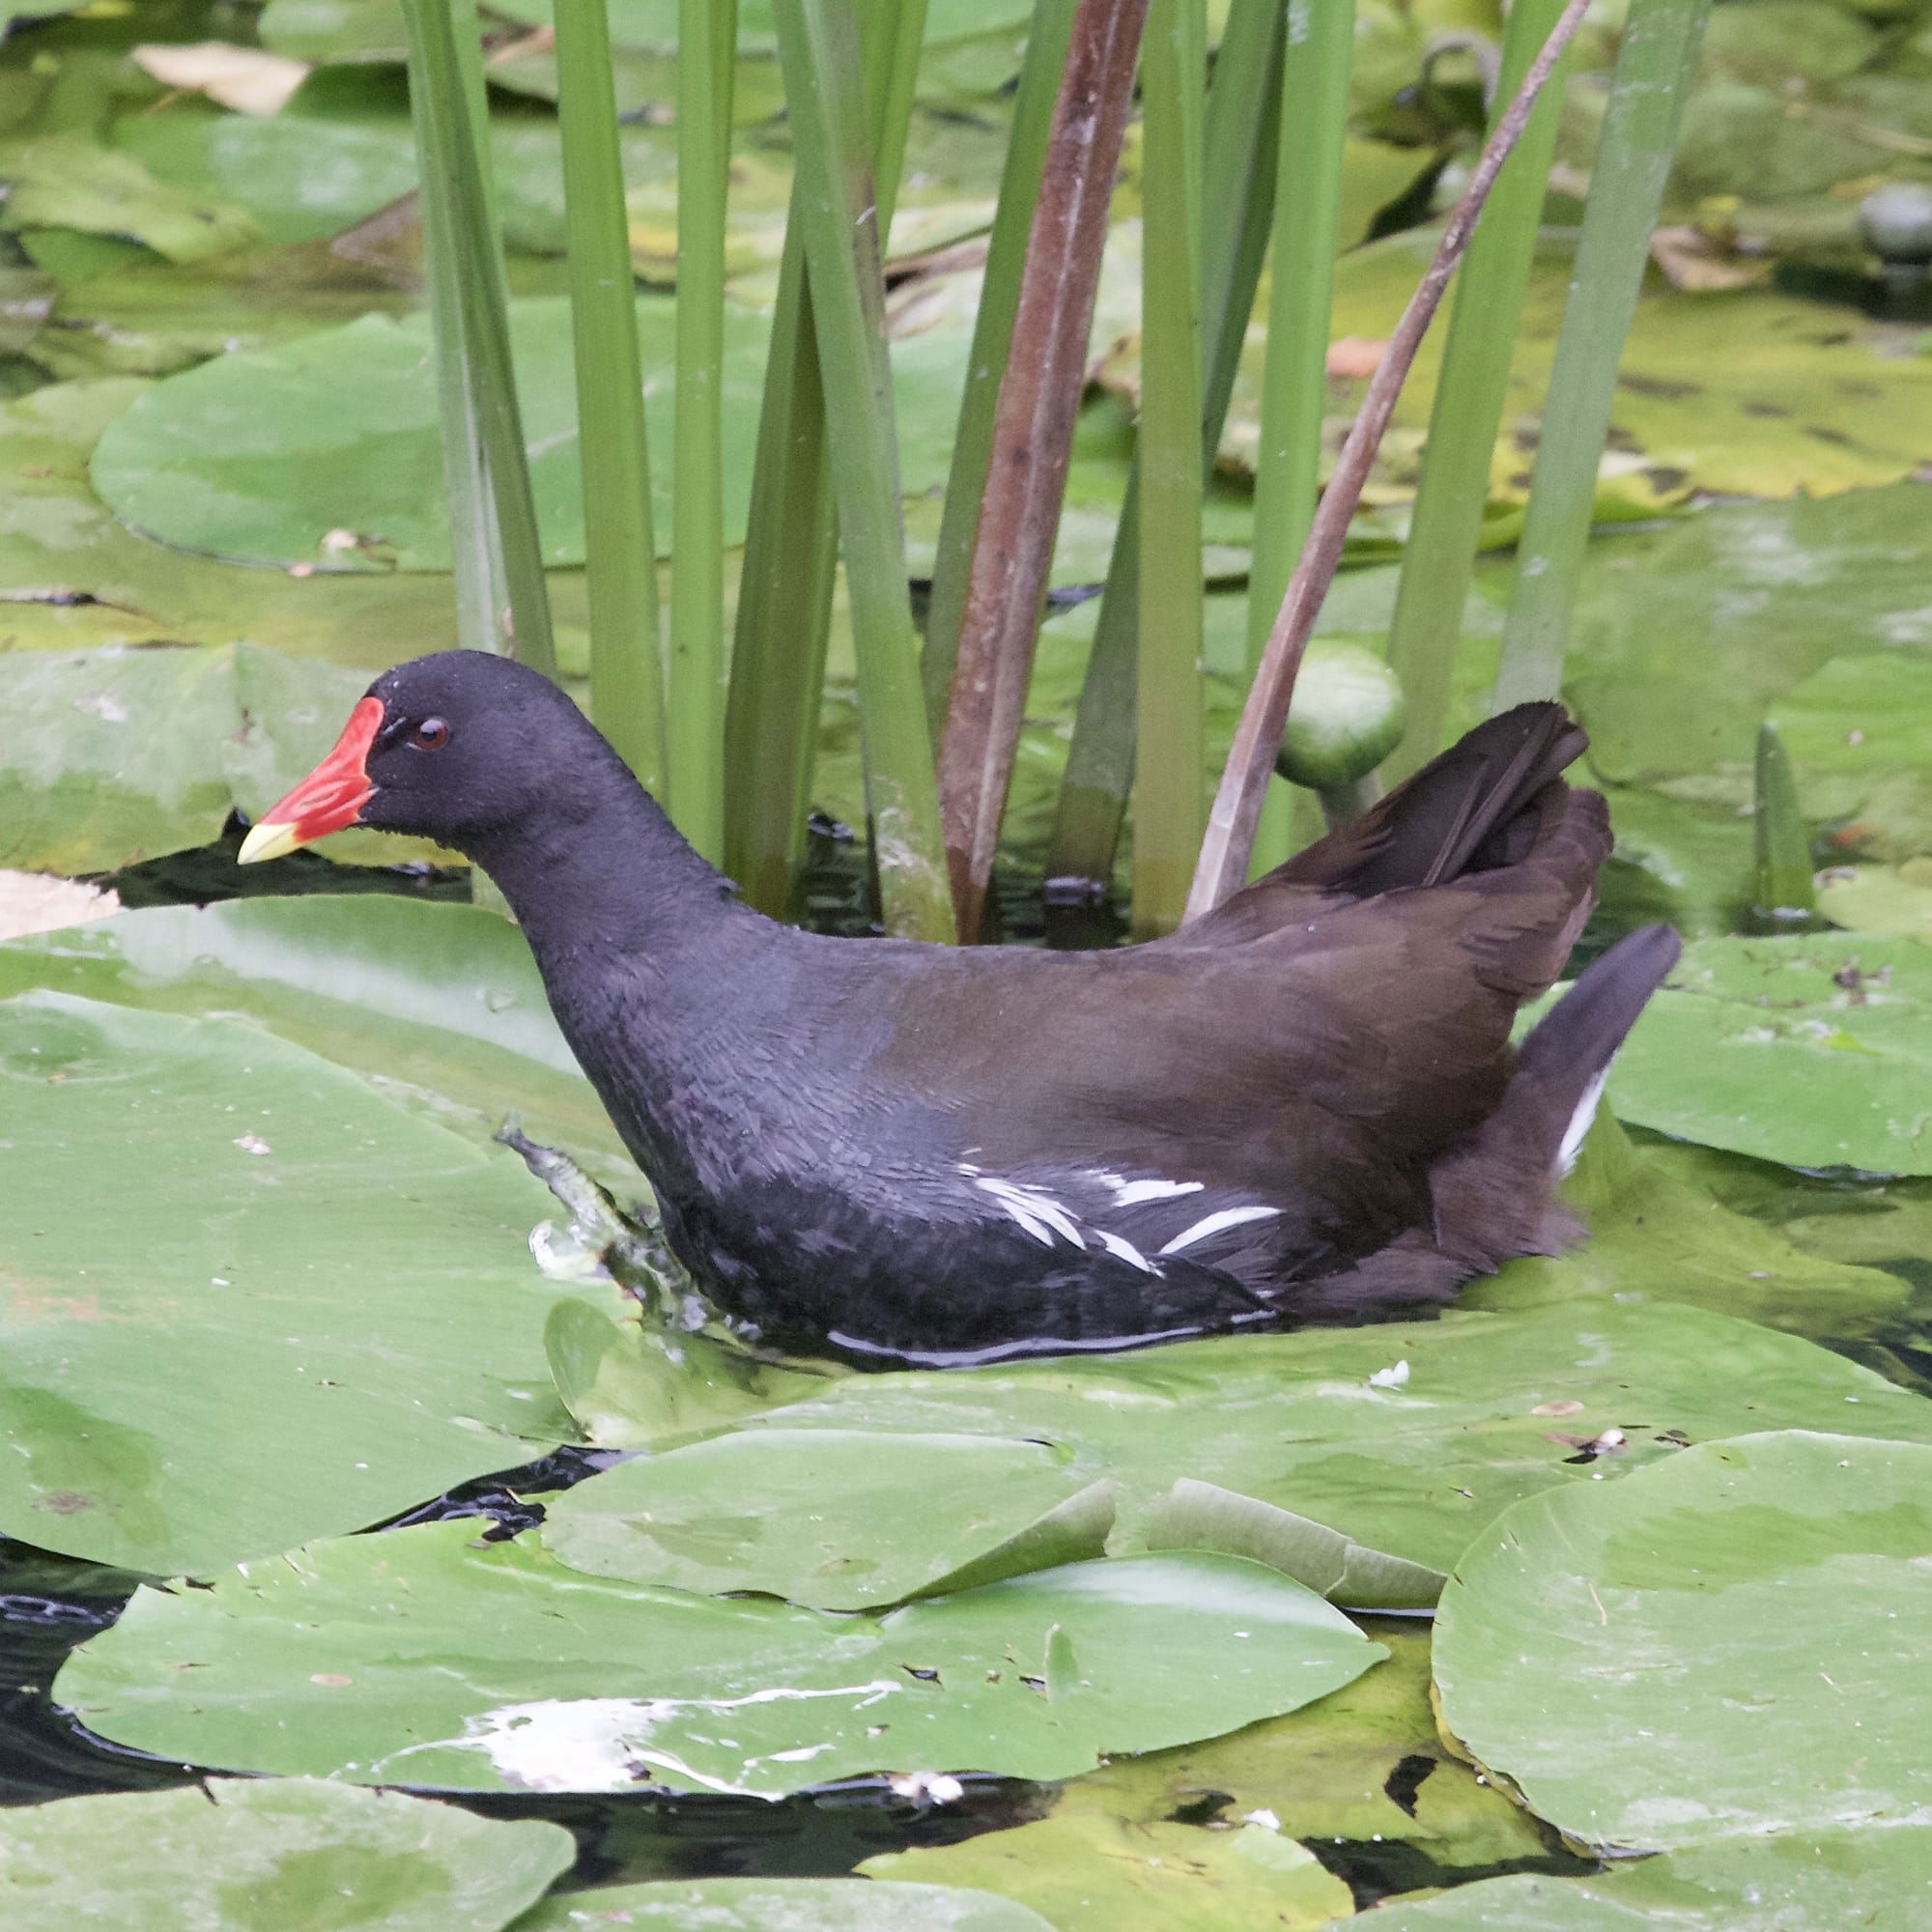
{"points": [[1033, 436]]}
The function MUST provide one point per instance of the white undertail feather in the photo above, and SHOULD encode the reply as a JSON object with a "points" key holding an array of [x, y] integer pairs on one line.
{"points": [[1579, 1122]]}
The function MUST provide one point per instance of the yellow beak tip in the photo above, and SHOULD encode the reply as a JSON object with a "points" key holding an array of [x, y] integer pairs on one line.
{"points": [[268, 840]]}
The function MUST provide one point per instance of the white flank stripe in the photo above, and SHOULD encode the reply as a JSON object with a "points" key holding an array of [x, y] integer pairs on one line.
{"points": [[1579, 1124], [1213, 1224], [1131, 1193], [1126, 1249], [1035, 1209]]}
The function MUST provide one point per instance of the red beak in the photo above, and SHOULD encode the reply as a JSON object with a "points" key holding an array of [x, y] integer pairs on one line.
{"points": [[329, 799]]}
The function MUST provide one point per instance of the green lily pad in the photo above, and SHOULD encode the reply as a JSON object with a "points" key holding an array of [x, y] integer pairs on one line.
{"points": [[782, 1905], [1821, 1883], [1859, 734], [72, 576], [1891, 901], [547, 1679], [241, 1857], [261, 455], [117, 755], [246, 1301], [438, 1000], [1094, 1874], [1745, 1026], [1364, 1763], [839, 1520], [1414, 1469], [1728, 1643], [68, 180]]}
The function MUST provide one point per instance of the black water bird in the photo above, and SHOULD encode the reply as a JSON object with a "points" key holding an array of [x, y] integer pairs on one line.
{"points": [[1304, 1107]]}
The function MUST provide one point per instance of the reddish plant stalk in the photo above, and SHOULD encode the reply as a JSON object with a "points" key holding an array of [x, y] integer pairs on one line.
{"points": [[1033, 437]]}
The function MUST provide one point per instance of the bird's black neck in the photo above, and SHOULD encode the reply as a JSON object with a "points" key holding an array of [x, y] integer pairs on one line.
{"points": [[602, 867]]}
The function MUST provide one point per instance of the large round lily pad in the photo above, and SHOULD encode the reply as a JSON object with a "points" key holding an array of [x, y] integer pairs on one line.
{"points": [[424, 1657], [247, 1857], [246, 1301], [1815, 1051], [323, 450], [1731, 1642]]}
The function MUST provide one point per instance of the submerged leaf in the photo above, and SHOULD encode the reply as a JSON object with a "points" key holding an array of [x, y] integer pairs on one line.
{"points": [[1095, 1874], [781, 1905]]}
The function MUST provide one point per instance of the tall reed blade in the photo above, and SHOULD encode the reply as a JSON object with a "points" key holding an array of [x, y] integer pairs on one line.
{"points": [[1168, 710], [1238, 143], [707, 53], [1009, 466], [1439, 558], [786, 586], [1294, 375], [1238, 803], [503, 602], [1654, 72], [619, 531], [838, 207], [784, 606]]}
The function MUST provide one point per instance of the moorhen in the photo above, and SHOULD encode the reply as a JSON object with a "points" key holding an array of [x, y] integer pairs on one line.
{"points": [[1303, 1107]]}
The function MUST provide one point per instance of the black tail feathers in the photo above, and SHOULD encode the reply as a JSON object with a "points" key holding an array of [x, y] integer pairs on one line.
{"points": [[1494, 1196]]}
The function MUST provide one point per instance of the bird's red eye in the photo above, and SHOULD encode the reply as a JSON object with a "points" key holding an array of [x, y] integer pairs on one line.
{"points": [[431, 735]]}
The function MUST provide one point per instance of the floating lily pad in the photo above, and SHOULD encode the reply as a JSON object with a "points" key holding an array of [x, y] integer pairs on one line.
{"points": [[547, 1679], [1661, 1233], [1728, 1643], [1821, 1883], [782, 1905], [1748, 1026], [236, 1857], [73, 578], [1094, 1874], [840, 1520], [440, 1000], [261, 455], [1495, 1407], [246, 1301], [68, 181]]}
